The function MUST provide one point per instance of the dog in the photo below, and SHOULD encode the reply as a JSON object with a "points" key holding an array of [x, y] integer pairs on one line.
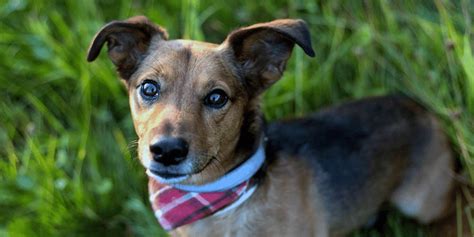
{"points": [[217, 169]]}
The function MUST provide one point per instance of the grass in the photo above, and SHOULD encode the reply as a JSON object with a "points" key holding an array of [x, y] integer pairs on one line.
{"points": [[67, 163]]}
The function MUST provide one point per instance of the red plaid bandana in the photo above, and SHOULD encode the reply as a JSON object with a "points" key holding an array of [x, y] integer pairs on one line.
{"points": [[174, 207]]}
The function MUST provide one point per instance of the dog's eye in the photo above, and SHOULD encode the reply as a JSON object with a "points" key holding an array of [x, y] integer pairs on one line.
{"points": [[149, 89], [216, 99]]}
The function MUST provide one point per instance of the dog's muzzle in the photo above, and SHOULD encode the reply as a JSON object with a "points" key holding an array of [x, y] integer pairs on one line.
{"points": [[168, 154]]}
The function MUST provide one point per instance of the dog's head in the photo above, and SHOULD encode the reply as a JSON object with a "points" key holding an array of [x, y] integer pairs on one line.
{"points": [[195, 105]]}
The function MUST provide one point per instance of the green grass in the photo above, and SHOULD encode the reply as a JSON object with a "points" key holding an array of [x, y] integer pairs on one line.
{"points": [[67, 163]]}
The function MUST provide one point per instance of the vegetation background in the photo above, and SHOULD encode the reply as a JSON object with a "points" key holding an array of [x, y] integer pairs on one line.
{"points": [[67, 159]]}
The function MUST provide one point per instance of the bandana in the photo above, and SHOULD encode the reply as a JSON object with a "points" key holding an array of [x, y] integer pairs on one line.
{"points": [[174, 208], [178, 205]]}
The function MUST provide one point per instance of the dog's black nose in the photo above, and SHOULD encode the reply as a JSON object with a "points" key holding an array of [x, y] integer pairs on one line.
{"points": [[169, 151]]}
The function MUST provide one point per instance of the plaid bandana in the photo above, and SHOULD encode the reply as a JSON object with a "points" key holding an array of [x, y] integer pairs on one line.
{"points": [[174, 207]]}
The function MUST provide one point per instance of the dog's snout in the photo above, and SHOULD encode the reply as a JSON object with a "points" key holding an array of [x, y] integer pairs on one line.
{"points": [[169, 150]]}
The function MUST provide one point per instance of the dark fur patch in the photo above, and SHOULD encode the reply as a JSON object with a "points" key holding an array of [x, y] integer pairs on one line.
{"points": [[262, 50], [127, 43]]}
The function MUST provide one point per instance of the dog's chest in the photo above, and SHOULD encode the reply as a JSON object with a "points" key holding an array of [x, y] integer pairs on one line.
{"points": [[280, 207]]}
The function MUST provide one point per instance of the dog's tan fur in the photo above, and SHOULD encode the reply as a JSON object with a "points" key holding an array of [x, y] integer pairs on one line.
{"points": [[296, 197]]}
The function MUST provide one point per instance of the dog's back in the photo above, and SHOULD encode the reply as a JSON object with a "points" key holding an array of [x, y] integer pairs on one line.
{"points": [[366, 152]]}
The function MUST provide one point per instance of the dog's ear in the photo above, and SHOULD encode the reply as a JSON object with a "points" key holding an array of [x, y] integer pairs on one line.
{"points": [[127, 42], [262, 50]]}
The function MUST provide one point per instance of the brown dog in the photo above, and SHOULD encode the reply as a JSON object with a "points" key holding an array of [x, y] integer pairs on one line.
{"points": [[196, 111]]}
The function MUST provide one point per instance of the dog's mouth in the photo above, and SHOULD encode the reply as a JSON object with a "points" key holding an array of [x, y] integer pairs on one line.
{"points": [[166, 176]]}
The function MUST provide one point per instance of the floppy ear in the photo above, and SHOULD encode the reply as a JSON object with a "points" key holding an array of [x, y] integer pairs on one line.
{"points": [[262, 50], [127, 42]]}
